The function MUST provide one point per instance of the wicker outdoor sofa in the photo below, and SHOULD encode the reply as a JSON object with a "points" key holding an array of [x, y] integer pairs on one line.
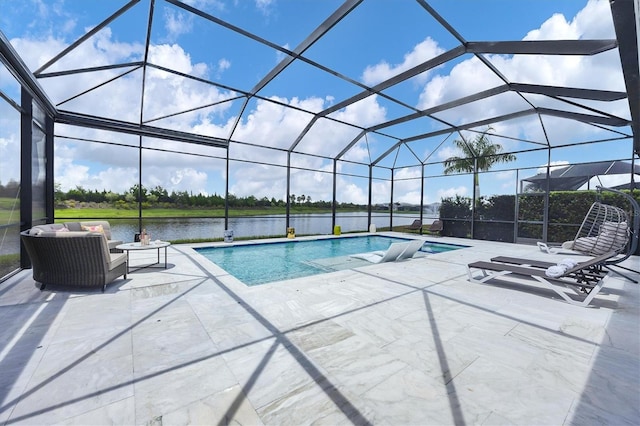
{"points": [[72, 258]]}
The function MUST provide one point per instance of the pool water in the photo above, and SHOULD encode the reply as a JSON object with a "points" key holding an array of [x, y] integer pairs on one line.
{"points": [[255, 264]]}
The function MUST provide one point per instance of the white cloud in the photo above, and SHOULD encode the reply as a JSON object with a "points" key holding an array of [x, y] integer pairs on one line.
{"points": [[9, 149], [452, 192], [407, 186], [223, 65], [505, 175], [352, 193], [265, 6], [594, 72], [177, 23], [174, 57], [185, 179], [423, 51], [411, 197], [281, 55], [447, 152], [380, 192]]}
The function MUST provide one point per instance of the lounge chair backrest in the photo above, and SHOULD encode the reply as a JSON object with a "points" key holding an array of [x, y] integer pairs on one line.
{"points": [[394, 250], [417, 224], [597, 260], [436, 226], [411, 248]]}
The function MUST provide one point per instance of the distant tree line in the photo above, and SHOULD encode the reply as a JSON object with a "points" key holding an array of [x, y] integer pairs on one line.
{"points": [[10, 190], [159, 197]]}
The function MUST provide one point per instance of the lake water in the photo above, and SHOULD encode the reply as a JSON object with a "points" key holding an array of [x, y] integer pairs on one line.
{"points": [[272, 225]]}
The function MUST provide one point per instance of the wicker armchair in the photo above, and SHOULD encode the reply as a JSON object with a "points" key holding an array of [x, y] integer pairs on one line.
{"points": [[70, 258]]}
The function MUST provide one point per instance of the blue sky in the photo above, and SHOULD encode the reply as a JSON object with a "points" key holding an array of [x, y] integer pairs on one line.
{"points": [[379, 39]]}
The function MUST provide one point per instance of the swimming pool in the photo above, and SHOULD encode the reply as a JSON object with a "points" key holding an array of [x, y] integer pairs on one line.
{"points": [[261, 263]]}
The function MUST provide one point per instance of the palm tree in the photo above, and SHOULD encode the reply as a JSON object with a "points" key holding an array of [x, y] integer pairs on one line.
{"points": [[479, 155]]}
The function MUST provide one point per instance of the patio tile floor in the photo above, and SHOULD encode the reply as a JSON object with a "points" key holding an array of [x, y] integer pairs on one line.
{"points": [[406, 343]]}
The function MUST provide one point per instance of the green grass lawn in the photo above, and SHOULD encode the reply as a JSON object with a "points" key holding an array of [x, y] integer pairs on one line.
{"points": [[9, 210]]}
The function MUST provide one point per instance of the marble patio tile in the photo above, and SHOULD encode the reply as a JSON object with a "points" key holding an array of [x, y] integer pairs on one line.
{"points": [[318, 335], [66, 385], [613, 384], [336, 306], [422, 355], [584, 413], [409, 397], [238, 336], [160, 287], [227, 407], [117, 413], [459, 257], [26, 330], [205, 286], [423, 270], [560, 371], [21, 290], [372, 325], [267, 370], [335, 289], [388, 280], [498, 348], [460, 321], [109, 304], [70, 355], [147, 300], [492, 298], [264, 296], [165, 391], [584, 330], [319, 404], [346, 366], [48, 312], [572, 347], [37, 342], [399, 306], [214, 312], [512, 394], [623, 329], [232, 325], [172, 337], [73, 334], [288, 314], [537, 314], [377, 292]]}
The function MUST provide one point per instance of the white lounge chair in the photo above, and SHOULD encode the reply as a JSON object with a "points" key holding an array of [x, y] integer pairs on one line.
{"points": [[584, 280], [412, 248], [389, 255]]}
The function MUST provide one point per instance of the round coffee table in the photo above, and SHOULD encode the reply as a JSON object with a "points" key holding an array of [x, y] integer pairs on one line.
{"points": [[127, 247]]}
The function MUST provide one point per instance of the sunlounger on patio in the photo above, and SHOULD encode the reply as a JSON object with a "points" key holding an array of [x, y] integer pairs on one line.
{"points": [[585, 279], [396, 251]]}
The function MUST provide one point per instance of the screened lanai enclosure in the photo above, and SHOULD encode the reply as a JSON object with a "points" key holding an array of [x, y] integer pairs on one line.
{"points": [[191, 119]]}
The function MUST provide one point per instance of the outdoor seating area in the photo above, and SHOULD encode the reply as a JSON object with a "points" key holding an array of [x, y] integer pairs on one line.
{"points": [[412, 342], [59, 256]]}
